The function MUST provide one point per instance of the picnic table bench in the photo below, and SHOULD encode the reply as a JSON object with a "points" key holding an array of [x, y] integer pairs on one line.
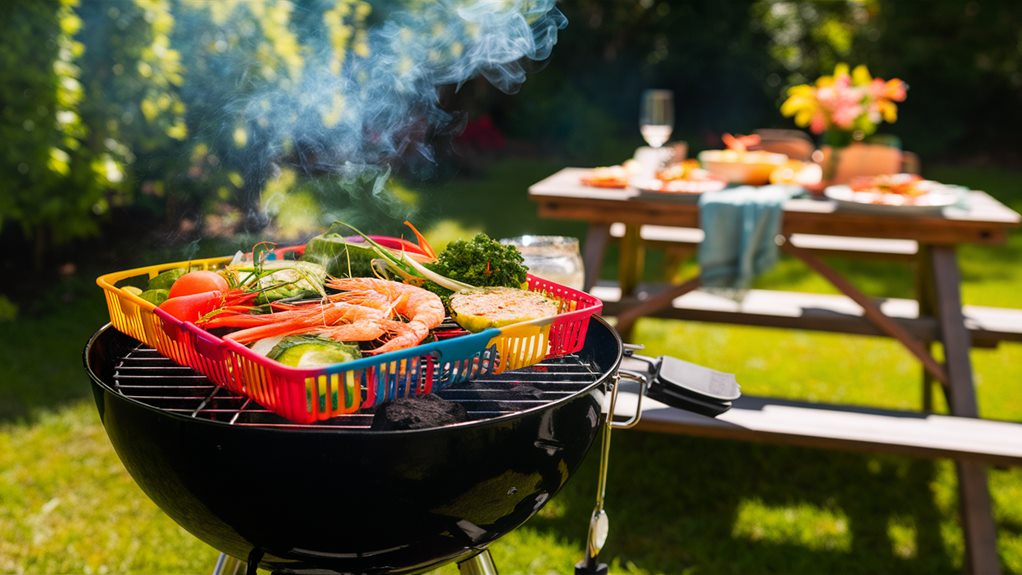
{"points": [[812, 227]]}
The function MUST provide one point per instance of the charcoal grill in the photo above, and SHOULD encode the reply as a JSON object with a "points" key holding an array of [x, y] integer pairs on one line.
{"points": [[335, 496]]}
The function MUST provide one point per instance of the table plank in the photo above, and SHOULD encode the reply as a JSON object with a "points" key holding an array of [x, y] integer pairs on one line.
{"points": [[562, 196]]}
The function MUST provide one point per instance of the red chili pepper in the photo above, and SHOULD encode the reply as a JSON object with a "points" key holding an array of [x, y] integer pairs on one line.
{"points": [[423, 244], [398, 244]]}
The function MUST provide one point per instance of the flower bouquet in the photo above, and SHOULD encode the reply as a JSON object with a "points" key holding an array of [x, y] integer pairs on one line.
{"points": [[845, 107]]}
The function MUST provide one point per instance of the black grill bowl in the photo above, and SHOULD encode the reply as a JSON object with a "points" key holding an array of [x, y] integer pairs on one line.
{"points": [[351, 501]]}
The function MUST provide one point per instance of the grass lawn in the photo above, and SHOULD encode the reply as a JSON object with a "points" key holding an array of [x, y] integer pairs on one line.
{"points": [[676, 504]]}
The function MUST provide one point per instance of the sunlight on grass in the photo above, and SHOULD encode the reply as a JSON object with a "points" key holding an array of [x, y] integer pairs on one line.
{"points": [[802, 524], [70, 506]]}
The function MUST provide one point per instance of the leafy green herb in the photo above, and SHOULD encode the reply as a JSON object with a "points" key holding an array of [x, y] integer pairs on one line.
{"points": [[481, 262]]}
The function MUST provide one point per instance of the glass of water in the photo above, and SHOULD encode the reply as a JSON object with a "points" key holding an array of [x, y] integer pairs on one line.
{"points": [[553, 258], [656, 117]]}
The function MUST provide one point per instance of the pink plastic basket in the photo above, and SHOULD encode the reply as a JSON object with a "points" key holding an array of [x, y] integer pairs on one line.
{"points": [[308, 395]]}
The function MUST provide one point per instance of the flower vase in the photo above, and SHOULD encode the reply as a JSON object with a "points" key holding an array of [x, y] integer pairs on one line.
{"points": [[844, 160], [830, 162]]}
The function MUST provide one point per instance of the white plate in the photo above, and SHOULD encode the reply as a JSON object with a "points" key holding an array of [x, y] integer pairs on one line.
{"points": [[932, 202], [677, 189]]}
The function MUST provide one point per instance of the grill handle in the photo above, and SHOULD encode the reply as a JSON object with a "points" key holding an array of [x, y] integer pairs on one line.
{"points": [[688, 386], [599, 523]]}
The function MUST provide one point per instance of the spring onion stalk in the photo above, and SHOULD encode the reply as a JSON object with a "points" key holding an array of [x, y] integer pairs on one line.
{"points": [[443, 281], [406, 267]]}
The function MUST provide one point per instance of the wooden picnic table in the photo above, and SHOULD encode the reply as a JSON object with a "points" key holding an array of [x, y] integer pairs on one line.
{"points": [[807, 224]]}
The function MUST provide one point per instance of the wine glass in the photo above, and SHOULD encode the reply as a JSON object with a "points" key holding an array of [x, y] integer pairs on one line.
{"points": [[656, 117]]}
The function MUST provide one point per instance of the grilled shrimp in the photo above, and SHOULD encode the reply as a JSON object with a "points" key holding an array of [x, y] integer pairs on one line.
{"points": [[302, 320], [422, 308]]}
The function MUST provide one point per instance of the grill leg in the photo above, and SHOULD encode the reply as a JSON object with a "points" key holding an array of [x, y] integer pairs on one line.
{"points": [[227, 565], [479, 564]]}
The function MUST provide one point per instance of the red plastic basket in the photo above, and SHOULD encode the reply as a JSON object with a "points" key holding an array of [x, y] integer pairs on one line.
{"points": [[308, 395]]}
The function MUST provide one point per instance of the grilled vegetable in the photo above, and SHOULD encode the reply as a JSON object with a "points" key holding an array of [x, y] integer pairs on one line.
{"points": [[312, 351], [197, 282], [353, 256], [279, 279], [481, 308], [406, 266], [155, 296], [166, 279], [340, 256], [194, 306]]}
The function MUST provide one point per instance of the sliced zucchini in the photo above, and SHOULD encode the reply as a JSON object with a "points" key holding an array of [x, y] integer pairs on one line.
{"points": [[481, 308], [310, 351]]}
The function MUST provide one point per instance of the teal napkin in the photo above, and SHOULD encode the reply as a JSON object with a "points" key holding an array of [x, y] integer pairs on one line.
{"points": [[740, 225]]}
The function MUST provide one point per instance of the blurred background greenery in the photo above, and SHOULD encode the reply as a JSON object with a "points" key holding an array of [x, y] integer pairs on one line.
{"points": [[124, 141], [118, 112]]}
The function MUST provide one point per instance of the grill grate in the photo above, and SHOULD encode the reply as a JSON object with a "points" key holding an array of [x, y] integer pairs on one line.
{"points": [[145, 375]]}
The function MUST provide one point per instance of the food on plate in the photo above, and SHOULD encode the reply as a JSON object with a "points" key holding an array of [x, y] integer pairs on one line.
{"points": [[741, 143], [742, 166], [198, 281], [894, 190], [902, 184], [797, 173], [304, 351], [482, 308], [685, 177], [611, 176], [685, 170]]}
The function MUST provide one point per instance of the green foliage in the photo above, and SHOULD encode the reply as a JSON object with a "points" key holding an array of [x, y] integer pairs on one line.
{"points": [[49, 189]]}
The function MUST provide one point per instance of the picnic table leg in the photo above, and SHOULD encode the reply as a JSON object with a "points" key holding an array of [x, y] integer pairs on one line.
{"points": [[593, 252], [629, 270], [925, 298], [973, 491], [631, 260]]}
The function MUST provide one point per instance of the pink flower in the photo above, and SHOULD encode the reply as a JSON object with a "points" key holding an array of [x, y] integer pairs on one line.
{"points": [[845, 115], [847, 100], [819, 123]]}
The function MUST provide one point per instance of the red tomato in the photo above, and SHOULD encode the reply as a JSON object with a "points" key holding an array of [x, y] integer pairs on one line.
{"points": [[193, 306], [197, 282]]}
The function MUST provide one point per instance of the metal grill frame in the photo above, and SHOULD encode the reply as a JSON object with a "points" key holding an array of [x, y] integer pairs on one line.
{"points": [[146, 376]]}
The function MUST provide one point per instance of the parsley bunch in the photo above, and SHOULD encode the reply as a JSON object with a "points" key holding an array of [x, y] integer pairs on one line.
{"points": [[481, 262]]}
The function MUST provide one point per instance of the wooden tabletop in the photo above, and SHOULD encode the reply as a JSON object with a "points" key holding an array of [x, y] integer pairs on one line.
{"points": [[986, 221]]}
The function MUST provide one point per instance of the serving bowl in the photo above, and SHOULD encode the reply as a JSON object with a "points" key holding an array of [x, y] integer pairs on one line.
{"points": [[742, 167]]}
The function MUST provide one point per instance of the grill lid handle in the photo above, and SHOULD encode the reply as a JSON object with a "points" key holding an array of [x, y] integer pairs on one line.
{"points": [[692, 387]]}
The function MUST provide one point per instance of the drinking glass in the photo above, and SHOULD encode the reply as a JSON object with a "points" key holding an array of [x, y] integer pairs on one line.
{"points": [[554, 258], [656, 117]]}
